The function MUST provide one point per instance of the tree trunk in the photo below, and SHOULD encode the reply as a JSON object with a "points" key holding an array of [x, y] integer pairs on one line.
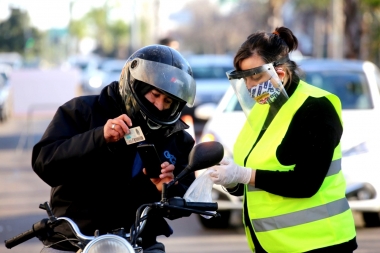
{"points": [[353, 29], [336, 35]]}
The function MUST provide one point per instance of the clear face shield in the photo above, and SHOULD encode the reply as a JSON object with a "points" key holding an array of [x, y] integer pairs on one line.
{"points": [[261, 87]]}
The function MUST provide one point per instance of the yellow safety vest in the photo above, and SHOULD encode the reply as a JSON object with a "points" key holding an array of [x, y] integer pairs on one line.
{"points": [[284, 224]]}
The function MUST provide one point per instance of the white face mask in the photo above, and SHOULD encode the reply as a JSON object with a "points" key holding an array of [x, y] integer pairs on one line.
{"points": [[264, 93]]}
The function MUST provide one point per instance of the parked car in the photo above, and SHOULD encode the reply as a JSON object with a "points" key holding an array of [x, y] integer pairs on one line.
{"points": [[360, 167], [105, 72], [87, 65], [357, 84], [5, 92], [12, 59], [209, 72]]}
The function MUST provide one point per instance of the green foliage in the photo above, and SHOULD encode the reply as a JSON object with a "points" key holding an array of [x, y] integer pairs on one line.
{"points": [[209, 31], [77, 28], [13, 32], [320, 5], [120, 34], [110, 36], [371, 3], [30, 42], [16, 35]]}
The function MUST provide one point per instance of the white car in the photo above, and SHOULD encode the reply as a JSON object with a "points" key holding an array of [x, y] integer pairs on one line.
{"points": [[357, 83], [209, 72], [5, 92], [102, 73]]}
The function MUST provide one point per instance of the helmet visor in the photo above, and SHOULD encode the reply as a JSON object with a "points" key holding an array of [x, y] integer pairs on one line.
{"points": [[168, 78], [259, 86]]}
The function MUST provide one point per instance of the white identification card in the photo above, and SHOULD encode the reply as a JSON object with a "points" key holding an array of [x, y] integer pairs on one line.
{"points": [[135, 135]]}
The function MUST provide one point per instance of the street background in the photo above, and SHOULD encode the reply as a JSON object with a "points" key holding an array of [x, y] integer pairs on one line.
{"points": [[43, 46], [21, 191]]}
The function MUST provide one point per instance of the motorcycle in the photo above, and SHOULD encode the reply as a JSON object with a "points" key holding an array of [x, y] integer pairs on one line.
{"points": [[203, 155]]}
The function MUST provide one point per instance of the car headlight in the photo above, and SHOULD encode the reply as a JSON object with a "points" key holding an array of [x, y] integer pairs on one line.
{"points": [[360, 191], [95, 82], [207, 137], [356, 150], [366, 192], [109, 243], [211, 137]]}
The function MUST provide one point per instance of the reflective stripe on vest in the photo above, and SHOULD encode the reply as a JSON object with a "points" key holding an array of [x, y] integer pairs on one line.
{"points": [[301, 217], [335, 167]]}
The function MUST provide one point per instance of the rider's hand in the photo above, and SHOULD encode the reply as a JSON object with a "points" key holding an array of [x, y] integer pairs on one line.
{"points": [[230, 174], [116, 128], [166, 175]]}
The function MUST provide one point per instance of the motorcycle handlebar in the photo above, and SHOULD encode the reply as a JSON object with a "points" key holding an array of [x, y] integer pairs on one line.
{"points": [[27, 235], [41, 228], [18, 239], [203, 206], [180, 203]]}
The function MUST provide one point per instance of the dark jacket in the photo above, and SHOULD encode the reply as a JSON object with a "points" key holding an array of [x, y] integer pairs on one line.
{"points": [[91, 181]]}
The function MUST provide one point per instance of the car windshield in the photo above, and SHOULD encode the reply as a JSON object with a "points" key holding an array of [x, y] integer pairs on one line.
{"points": [[81, 65], [210, 72], [112, 66], [351, 87]]}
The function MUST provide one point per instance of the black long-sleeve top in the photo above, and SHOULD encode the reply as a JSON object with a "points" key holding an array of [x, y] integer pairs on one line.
{"points": [[309, 143]]}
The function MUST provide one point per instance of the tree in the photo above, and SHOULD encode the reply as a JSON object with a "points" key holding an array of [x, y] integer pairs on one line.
{"points": [[209, 30], [361, 35], [315, 14], [16, 35], [275, 19], [111, 37], [353, 28], [370, 33]]}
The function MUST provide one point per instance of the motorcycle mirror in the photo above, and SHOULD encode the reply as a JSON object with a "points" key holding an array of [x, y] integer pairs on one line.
{"points": [[203, 155]]}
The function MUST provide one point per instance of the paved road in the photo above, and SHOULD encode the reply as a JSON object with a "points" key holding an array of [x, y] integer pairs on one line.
{"points": [[21, 191]]}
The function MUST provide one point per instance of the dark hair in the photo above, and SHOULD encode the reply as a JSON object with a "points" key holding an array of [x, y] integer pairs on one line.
{"points": [[270, 47], [166, 41]]}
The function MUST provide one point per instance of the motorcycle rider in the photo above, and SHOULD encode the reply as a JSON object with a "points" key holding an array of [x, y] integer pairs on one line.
{"points": [[88, 153]]}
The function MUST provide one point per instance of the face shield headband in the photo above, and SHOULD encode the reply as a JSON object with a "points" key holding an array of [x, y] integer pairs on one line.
{"points": [[259, 86]]}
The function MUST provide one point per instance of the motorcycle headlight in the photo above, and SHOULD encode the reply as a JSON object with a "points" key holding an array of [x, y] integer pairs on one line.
{"points": [[109, 243]]}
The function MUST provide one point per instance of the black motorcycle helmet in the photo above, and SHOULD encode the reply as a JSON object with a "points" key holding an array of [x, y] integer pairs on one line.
{"points": [[157, 67]]}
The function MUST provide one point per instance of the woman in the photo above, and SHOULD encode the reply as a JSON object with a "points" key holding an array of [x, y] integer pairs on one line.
{"points": [[287, 156]]}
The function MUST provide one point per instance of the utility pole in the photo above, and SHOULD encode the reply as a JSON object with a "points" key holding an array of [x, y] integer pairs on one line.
{"points": [[276, 19], [319, 35], [135, 28], [336, 33], [71, 42], [156, 17]]}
